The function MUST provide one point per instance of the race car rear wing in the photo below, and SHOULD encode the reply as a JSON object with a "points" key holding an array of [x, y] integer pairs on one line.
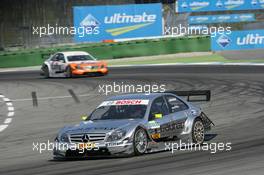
{"points": [[198, 95]]}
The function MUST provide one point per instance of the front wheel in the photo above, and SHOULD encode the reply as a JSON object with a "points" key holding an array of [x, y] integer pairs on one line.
{"points": [[198, 132], [140, 141], [46, 71]]}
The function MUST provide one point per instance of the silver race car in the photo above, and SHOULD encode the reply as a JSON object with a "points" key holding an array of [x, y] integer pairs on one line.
{"points": [[134, 124]]}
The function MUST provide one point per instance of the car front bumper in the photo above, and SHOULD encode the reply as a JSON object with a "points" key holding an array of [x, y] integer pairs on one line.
{"points": [[103, 71], [106, 149]]}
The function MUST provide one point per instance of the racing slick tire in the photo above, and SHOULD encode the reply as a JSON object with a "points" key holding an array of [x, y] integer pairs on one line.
{"points": [[69, 72], [198, 131], [46, 71], [140, 142]]}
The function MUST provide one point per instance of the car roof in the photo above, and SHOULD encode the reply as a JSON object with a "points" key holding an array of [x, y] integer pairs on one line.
{"points": [[71, 53], [142, 96]]}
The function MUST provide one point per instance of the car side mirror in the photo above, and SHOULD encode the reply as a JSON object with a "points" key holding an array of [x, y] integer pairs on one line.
{"points": [[157, 116], [84, 117], [61, 61]]}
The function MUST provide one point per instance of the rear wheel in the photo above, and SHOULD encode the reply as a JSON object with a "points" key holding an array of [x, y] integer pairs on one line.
{"points": [[140, 141], [198, 132]]}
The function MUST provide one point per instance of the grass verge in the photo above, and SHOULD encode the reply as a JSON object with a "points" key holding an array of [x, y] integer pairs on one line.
{"points": [[189, 59]]}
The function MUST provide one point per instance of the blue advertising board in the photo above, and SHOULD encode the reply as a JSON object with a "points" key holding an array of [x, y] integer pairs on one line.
{"points": [[218, 5], [238, 40], [117, 21], [198, 27], [227, 18]]}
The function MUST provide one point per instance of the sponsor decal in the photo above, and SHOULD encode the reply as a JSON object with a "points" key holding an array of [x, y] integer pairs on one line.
{"points": [[90, 21], [227, 18], [196, 5], [122, 30], [223, 41], [250, 39], [218, 5], [119, 21], [230, 4], [261, 3], [124, 102], [153, 124], [239, 40], [144, 19]]}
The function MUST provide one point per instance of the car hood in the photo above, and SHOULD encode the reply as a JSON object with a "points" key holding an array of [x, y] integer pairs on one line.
{"points": [[102, 126]]}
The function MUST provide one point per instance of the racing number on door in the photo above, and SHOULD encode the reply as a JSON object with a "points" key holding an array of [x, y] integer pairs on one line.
{"points": [[169, 115], [57, 63], [177, 110], [159, 114], [172, 128]]}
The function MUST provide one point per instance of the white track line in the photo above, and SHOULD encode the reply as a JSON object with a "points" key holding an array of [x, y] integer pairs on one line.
{"points": [[51, 98], [9, 108], [10, 113], [3, 127], [6, 99], [8, 120], [9, 104]]}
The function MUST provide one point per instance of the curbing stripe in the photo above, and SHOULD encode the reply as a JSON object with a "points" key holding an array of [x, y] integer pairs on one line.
{"points": [[8, 120], [3, 127], [10, 113]]}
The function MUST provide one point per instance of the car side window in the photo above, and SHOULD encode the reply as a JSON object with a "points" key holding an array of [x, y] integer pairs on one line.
{"points": [[175, 104], [55, 57], [158, 106], [61, 58]]}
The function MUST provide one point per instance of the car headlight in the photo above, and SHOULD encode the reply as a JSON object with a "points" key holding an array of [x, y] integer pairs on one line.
{"points": [[116, 135], [64, 138]]}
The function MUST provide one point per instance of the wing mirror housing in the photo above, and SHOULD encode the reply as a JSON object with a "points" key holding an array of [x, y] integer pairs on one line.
{"points": [[84, 117], [157, 116], [61, 61]]}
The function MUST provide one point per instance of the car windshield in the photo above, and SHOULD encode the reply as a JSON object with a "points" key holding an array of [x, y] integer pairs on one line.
{"points": [[119, 112], [80, 58]]}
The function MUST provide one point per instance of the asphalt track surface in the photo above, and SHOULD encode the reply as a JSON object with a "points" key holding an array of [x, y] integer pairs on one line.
{"points": [[237, 108]]}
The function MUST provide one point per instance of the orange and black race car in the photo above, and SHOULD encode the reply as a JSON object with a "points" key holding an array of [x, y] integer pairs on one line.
{"points": [[73, 63]]}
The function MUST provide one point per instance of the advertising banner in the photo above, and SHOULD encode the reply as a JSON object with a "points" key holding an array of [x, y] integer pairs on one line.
{"points": [[98, 23], [238, 40], [227, 18], [218, 5]]}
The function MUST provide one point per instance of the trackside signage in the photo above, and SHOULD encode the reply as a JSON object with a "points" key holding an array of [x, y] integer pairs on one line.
{"points": [[238, 40], [117, 21], [218, 5], [227, 18]]}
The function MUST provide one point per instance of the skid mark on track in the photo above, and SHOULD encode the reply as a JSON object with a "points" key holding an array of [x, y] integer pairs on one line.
{"points": [[34, 99], [53, 97], [74, 96], [10, 113]]}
